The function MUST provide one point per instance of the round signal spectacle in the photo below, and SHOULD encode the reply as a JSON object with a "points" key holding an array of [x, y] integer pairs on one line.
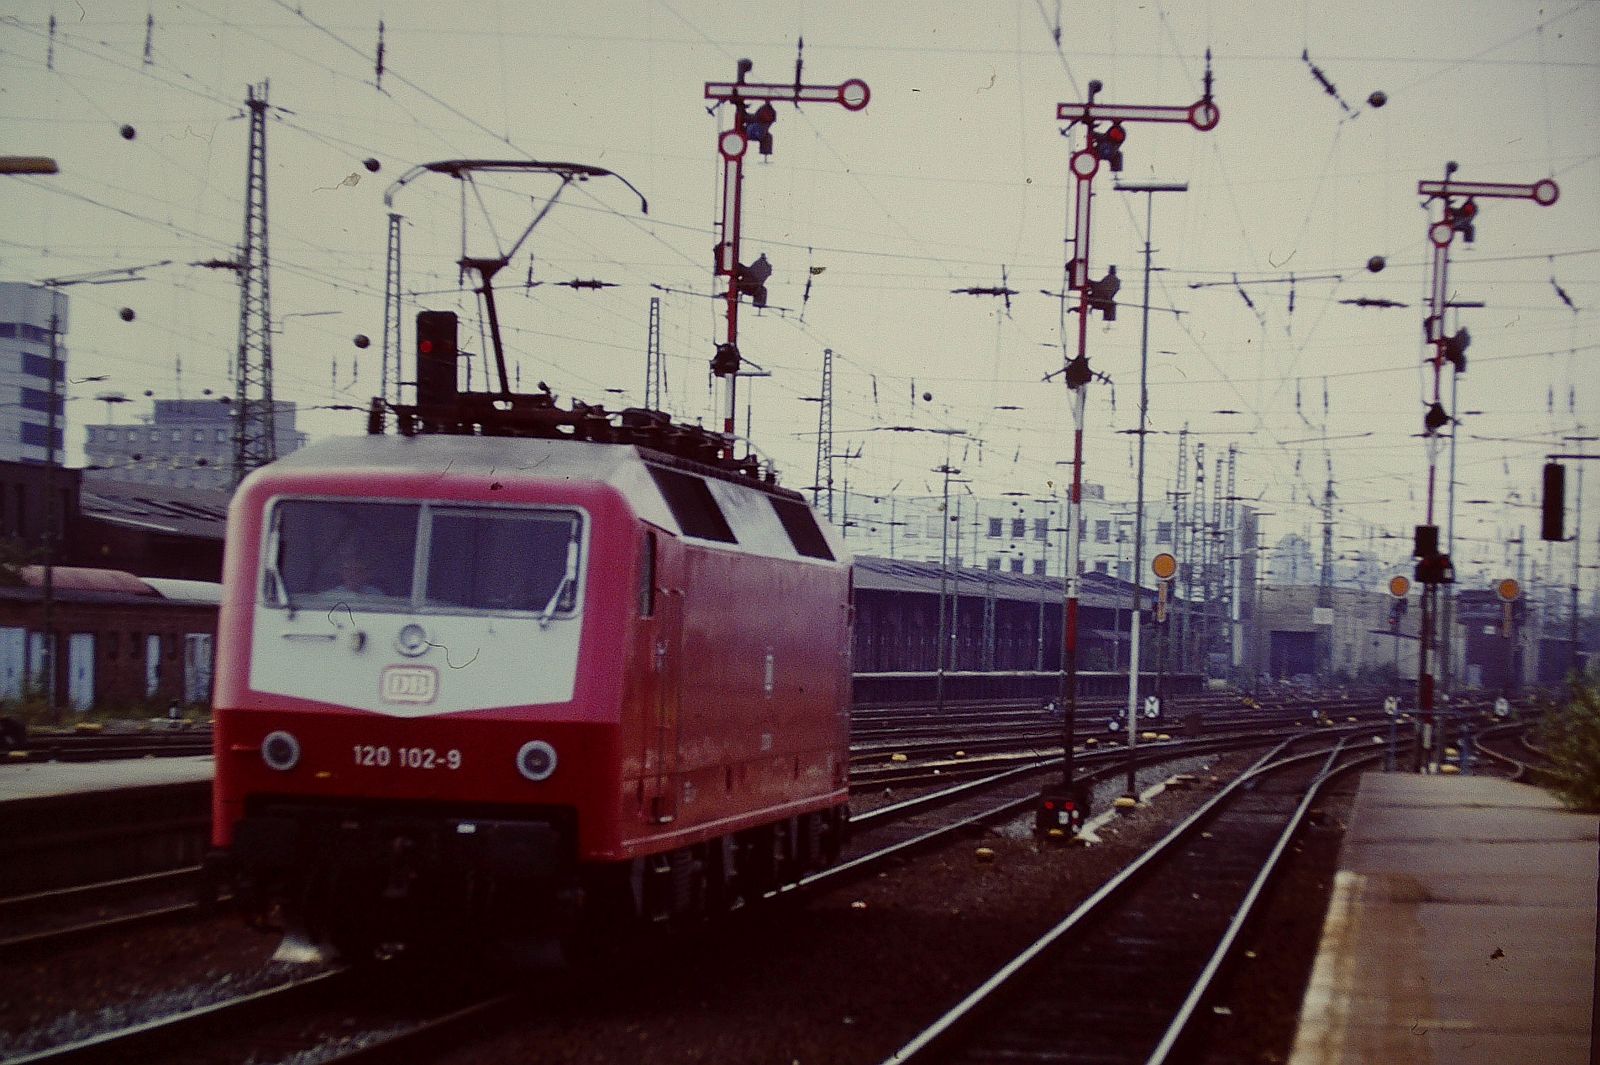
{"points": [[1164, 566]]}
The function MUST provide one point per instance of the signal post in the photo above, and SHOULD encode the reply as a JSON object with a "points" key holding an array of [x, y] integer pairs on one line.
{"points": [[1458, 216], [1062, 805], [733, 144]]}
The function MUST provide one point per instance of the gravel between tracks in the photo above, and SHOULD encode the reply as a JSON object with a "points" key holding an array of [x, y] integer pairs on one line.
{"points": [[847, 977], [115, 982]]}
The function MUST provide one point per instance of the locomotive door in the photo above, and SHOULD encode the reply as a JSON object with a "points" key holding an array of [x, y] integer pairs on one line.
{"points": [[668, 658]]}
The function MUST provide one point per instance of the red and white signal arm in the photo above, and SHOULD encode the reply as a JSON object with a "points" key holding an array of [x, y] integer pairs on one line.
{"points": [[1508, 590], [1399, 586]]}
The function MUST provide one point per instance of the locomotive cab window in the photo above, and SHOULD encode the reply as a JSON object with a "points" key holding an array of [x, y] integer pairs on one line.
{"points": [[404, 557]]}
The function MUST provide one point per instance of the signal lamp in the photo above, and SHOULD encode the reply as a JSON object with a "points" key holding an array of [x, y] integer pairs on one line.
{"points": [[1553, 503], [1461, 219], [1435, 419], [1078, 373], [1455, 349], [1108, 145]]}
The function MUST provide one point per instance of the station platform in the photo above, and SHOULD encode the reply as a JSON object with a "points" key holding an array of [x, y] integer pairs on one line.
{"points": [[49, 780], [68, 823], [1462, 929]]}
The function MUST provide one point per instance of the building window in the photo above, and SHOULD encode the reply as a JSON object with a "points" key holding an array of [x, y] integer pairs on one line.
{"points": [[39, 366], [1102, 533], [177, 436], [37, 436], [1041, 528], [935, 525], [35, 399], [1164, 532], [1016, 565], [199, 436], [994, 528], [1101, 567], [222, 436], [1019, 528], [1038, 567], [1124, 571], [154, 436], [994, 561]]}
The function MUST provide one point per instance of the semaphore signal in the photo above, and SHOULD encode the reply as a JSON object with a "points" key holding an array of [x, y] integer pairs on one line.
{"points": [[732, 145]]}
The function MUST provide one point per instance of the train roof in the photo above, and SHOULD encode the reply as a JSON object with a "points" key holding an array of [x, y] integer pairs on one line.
{"points": [[904, 575], [92, 584], [694, 500]]}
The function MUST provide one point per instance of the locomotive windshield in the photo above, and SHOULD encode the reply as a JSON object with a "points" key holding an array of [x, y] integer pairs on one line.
{"points": [[422, 557]]}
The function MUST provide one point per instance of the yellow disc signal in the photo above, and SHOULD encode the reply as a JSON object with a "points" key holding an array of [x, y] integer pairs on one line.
{"points": [[1164, 566], [1399, 586], [1508, 590]]}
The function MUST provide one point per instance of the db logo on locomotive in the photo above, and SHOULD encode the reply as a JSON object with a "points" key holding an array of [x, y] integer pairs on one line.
{"points": [[409, 684]]}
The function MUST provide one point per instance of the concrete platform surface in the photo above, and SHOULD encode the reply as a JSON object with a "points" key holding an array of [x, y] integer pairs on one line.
{"points": [[33, 780], [1461, 929]]}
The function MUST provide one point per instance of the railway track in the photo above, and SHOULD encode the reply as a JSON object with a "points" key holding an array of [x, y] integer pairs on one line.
{"points": [[54, 920], [1121, 978], [884, 836], [47, 921]]}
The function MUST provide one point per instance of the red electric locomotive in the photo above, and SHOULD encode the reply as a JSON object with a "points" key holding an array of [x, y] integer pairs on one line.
{"points": [[516, 665]]}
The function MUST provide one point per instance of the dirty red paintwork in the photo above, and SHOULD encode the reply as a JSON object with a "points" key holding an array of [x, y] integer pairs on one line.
{"points": [[649, 760]]}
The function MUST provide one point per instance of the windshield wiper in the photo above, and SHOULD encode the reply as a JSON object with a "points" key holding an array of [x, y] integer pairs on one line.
{"points": [[277, 590], [568, 579]]}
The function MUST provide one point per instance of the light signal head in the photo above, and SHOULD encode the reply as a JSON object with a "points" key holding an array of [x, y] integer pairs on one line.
{"points": [[1461, 217], [1107, 144], [436, 358]]}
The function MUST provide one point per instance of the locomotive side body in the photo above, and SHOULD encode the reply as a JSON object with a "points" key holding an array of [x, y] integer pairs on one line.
{"points": [[532, 690]]}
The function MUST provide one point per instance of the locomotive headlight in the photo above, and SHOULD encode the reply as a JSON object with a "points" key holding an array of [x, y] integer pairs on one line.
{"points": [[411, 640], [280, 751], [536, 760]]}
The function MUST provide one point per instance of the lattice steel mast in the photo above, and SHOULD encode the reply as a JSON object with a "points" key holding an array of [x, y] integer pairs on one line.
{"points": [[254, 422], [654, 371], [823, 480], [389, 380]]}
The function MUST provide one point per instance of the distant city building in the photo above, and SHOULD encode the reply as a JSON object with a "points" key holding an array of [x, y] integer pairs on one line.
{"points": [[1016, 535], [186, 443], [25, 371], [1292, 562]]}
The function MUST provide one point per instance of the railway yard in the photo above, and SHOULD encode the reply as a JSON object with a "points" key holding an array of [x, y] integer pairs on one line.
{"points": [[947, 932]]}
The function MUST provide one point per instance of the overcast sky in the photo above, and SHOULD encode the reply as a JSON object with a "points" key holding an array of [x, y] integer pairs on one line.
{"points": [[955, 172]]}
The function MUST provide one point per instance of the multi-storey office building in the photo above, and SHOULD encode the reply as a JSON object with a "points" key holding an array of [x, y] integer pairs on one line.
{"points": [[29, 383], [185, 443]]}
